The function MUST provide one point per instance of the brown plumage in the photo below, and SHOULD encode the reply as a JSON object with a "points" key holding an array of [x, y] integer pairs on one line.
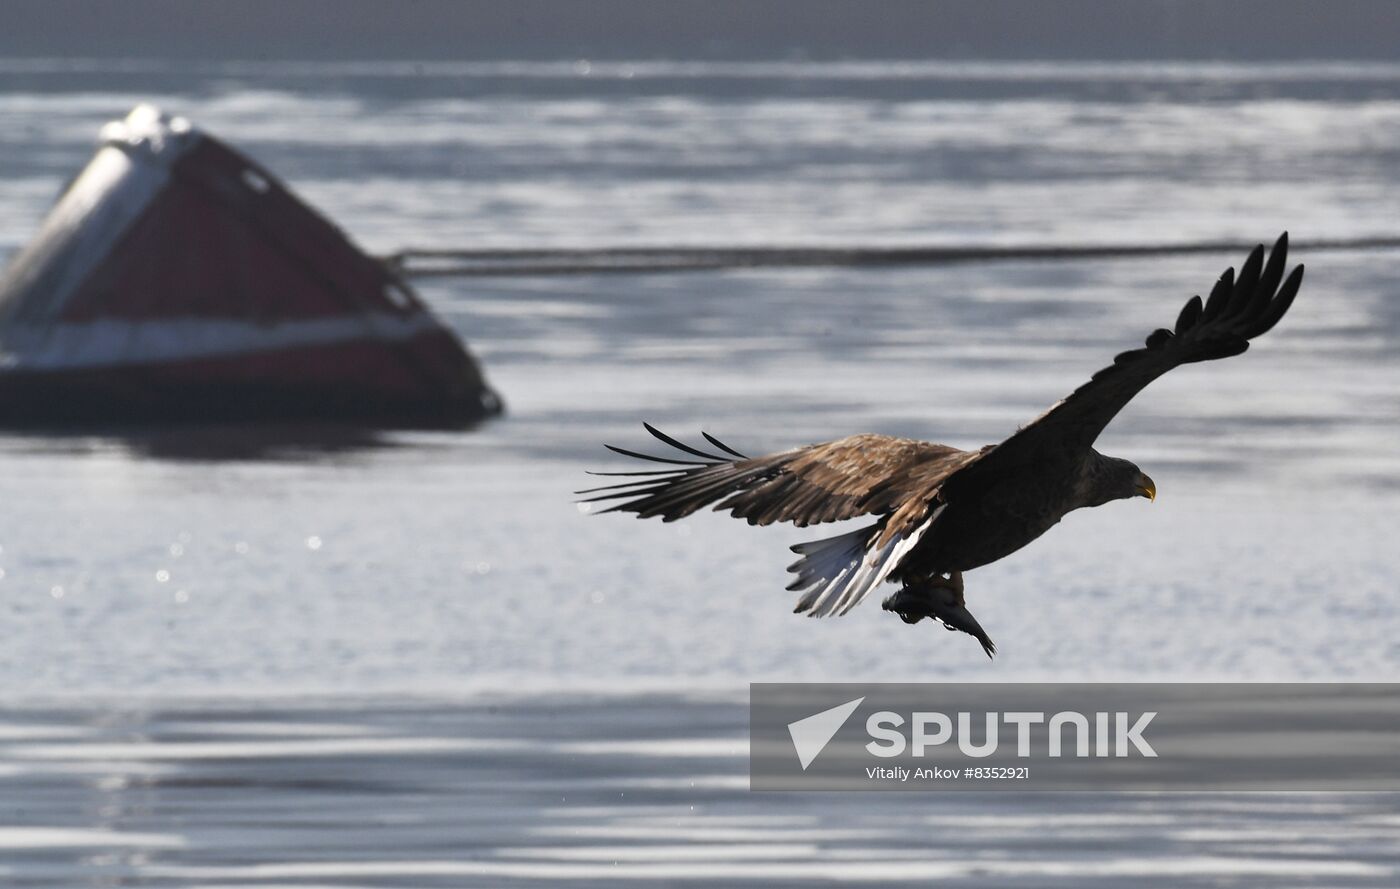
{"points": [[940, 510]]}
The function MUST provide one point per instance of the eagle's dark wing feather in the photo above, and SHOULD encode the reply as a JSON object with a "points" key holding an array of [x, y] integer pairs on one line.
{"points": [[855, 476], [1238, 310]]}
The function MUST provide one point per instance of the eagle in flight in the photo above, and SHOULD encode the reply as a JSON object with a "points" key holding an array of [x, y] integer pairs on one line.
{"points": [[939, 511]]}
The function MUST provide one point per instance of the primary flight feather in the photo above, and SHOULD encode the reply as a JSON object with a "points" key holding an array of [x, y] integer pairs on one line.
{"points": [[940, 511]]}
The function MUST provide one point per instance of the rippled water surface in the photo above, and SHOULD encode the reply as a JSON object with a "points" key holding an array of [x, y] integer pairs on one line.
{"points": [[240, 569], [590, 791]]}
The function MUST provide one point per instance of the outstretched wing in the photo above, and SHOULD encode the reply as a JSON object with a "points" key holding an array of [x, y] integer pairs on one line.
{"points": [[898, 479], [1238, 310], [855, 476]]}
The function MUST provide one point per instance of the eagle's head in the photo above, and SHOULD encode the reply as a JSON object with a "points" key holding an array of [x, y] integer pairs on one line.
{"points": [[1113, 478]]}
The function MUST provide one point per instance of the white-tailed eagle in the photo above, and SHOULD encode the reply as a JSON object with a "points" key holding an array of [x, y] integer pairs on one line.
{"points": [[939, 511]]}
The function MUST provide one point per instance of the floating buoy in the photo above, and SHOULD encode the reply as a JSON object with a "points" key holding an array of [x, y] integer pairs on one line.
{"points": [[177, 280]]}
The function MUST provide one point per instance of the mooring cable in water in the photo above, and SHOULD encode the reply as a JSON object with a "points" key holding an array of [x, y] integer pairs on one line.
{"points": [[430, 263]]}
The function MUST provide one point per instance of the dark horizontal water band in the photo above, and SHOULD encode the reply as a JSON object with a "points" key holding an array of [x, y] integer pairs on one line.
{"points": [[618, 260]]}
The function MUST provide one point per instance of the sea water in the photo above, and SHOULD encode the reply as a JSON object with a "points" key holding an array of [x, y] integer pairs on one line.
{"points": [[209, 635]]}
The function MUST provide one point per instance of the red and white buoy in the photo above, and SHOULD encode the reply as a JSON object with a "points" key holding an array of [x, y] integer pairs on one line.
{"points": [[176, 280]]}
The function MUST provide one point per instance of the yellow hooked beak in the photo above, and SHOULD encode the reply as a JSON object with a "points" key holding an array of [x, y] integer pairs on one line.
{"points": [[1146, 487]]}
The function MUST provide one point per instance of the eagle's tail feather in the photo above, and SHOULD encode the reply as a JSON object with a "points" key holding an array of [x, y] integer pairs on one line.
{"points": [[827, 559], [838, 572]]}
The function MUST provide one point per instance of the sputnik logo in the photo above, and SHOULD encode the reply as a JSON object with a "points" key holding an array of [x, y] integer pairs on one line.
{"points": [[811, 735]]}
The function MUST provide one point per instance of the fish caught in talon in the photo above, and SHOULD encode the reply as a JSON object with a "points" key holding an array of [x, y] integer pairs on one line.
{"points": [[941, 599]]}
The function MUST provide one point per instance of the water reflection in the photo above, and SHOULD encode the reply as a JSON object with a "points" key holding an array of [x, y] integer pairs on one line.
{"points": [[208, 442]]}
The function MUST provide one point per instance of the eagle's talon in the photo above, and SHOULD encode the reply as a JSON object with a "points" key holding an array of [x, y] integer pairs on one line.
{"points": [[905, 604]]}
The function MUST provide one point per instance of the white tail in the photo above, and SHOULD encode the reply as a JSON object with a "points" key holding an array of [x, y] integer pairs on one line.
{"points": [[842, 570]]}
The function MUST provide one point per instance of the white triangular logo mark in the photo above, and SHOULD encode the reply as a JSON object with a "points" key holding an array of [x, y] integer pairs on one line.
{"points": [[811, 735]]}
